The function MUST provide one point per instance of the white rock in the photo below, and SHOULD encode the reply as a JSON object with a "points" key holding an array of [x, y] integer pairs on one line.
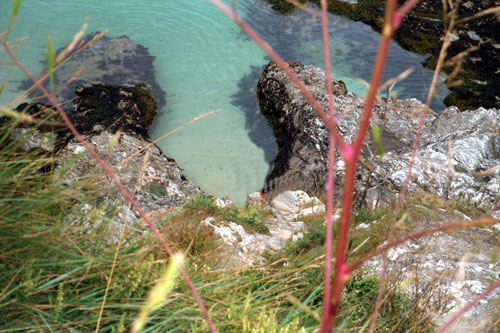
{"points": [[297, 236], [314, 210], [362, 226], [223, 203], [394, 253]]}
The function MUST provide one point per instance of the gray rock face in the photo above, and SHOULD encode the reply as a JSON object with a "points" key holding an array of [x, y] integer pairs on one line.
{"points": [[157, 181], [458, 157], [114, 120]]}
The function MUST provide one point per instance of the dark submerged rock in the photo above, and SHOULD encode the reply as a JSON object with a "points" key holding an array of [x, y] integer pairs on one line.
{"points": [[99, 108], [422, 31], [109, 61], [131, 109]]}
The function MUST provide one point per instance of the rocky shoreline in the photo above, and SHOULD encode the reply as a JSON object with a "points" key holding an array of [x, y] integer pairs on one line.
{"points": [[457, 160]]}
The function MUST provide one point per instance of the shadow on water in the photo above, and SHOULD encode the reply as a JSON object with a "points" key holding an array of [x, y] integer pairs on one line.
{"points": [[257, 126]]}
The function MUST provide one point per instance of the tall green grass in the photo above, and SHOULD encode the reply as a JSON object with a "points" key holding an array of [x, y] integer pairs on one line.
{"points": [[55, 265]]}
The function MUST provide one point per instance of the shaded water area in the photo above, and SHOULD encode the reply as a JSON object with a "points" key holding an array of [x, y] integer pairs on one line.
{"points": [[205, 63]]}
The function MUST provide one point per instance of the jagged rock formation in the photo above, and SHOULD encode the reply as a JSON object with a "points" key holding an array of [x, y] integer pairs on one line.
{"points": [[458, 156]]}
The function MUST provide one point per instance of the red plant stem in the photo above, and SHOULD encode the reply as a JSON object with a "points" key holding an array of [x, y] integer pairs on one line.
{"points": [[342, 272], [331, 165], [421, 233], [468, 306], [326, 53], [115, 179], [331, 125], [398, 16], [378, 70], [330, 192]]}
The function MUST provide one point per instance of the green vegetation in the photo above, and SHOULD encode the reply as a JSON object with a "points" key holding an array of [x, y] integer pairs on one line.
{"points": [[253, 218], [56, 263], [62, 267]]}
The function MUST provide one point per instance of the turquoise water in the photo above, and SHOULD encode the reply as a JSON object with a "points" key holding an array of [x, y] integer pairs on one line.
{"points": [[205, 63]]}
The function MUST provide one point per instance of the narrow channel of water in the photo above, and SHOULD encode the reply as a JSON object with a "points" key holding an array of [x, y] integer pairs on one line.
{"points": [[205, 63]]}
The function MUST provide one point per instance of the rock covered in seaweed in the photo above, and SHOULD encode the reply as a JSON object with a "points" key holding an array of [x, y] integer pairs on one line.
{"points": [[457, 157], [131, 109]]}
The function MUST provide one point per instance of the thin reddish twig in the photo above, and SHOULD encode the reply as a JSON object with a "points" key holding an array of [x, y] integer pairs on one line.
{"points": [[398, 16], [115, 179], [331, 165], [351, 157], [330, 192], [468, 306], [326, 54]]}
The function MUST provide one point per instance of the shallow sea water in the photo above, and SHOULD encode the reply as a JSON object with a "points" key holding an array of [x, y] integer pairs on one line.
{"points": [[205, 63]]}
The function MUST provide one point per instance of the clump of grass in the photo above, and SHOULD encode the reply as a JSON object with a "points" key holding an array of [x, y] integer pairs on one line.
{"points": [[202, 203], [252, 218], [399, 313], [185, 233]]}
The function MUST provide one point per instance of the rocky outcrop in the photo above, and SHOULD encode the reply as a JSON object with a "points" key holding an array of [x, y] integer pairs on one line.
{"points": [[114, 120], [142, 168], [447, 270], [246, 248], [458, 156], [98, 107]]}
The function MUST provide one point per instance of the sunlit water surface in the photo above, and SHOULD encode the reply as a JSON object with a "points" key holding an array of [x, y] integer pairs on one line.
{"points": [[205, 63]]}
